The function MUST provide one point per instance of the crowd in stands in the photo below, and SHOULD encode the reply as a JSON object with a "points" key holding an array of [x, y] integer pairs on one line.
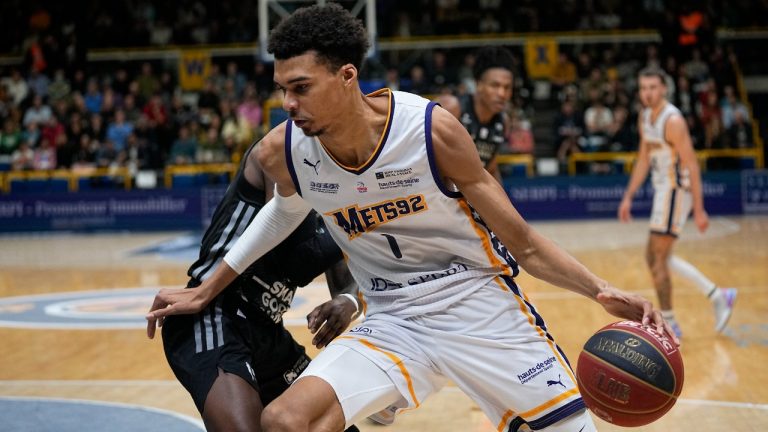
{"points": [[57, 111]]}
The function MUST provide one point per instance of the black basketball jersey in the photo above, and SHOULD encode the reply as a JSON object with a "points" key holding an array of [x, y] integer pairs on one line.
{"points": [[489, 136], [271, 281]]}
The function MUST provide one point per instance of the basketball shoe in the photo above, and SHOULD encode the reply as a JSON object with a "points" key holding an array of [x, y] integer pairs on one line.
{"points": [[723, 306]]}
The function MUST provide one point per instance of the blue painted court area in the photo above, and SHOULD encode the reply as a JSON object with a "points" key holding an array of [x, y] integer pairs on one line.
{"points": [[68, 415]]}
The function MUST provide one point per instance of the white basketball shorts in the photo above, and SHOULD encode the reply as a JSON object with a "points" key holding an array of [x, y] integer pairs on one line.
{"points": [[671, 208], [493, 344]]}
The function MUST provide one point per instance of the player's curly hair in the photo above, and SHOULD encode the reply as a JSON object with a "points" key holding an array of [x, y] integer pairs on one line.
{"points": [[492, 57], [330, 30]]}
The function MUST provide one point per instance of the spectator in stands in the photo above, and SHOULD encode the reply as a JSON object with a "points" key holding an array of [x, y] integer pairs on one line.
{"points": [[392, 79], [418, 82], [121, 81], [593, 84], [132, 112], [38, 83], [23, 157], [739, 135], [696, 69], [10, 138], [119, 130], [584, 66], [238, 79], [31, 134], [249, 109], [96, 127], [620, 136], [59, 89], [148, 82], [108, 156], [730, 106], [711, 120], [16, 86], [54, 132], [519, 136], [563, 73], [184, 149], [569, 127], [598, 120], [684, 96], [93, 96], [155, 111], [39, 112], [85, 155], [262, 77], [44, 156], [441, 75]]}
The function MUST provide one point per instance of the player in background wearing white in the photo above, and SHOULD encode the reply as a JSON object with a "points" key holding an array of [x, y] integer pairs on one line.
{"points": [[666, 151], [404, 194]]}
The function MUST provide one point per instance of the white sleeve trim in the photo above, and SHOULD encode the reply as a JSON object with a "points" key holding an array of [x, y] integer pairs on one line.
{"points": [[273, 224]]}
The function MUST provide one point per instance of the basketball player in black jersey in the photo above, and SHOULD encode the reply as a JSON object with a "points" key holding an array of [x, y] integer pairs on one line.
{"points": [[482, 114], [235, 356]]}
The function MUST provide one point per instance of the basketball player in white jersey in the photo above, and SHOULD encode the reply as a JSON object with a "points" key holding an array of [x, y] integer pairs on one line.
{"points": [[666, 151], [404, 194]]}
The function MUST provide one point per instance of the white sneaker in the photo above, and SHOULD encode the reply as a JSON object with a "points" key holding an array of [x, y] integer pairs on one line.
{"points": [[384, 417], [724, 307]]}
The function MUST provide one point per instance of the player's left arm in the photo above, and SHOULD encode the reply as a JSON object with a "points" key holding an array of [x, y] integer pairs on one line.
{"points": [[331, 318], [538, 255], [676, 133]]}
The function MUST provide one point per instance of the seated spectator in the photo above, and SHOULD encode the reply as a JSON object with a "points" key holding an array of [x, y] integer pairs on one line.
{"points": [[59, 88], [711, 120], [695, 130], [519, 136], [86, 153], [184, 149], [23, 157], [684, 99], [730, 106], [108, 156], [38, 113], [598, 120], [212, 148], [10, 138], [93, 96], [31, 134], [620, 136], [119, 130], [417, 82], [250, 108], [16, 86], [563, 73], [696, 68], [96, 127], [569, 127], [739, 135], [38, 83], [44, 156]]}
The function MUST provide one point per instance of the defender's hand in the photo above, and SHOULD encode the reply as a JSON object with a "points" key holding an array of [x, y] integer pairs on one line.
{"points": [[173, 301], [330, 319]]}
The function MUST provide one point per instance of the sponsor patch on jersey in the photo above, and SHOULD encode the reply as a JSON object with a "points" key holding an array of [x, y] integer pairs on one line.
{"points": [[356, 220], [326, 188], [381, 175], [361, 187], [398, 183]]}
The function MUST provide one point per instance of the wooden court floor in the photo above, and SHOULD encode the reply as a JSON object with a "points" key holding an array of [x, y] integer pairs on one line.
{"points": [[726, 382]]}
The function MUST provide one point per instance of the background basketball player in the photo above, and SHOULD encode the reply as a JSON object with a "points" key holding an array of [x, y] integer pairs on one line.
{"points": [[235, 355], [482, 114], [666, 150]]}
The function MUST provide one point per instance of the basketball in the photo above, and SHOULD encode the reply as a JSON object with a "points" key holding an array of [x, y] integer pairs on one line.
{"points": [[629, 375]]}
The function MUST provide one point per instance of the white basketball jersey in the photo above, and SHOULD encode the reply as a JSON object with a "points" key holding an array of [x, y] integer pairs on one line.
{"points": [[666, 172], [413, 246]]}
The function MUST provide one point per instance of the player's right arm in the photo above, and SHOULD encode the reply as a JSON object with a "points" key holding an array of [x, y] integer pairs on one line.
{"points": [[639, 173], [273, 223]]}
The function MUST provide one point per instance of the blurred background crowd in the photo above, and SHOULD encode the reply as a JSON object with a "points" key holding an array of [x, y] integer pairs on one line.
{"points": [[60, 110]]}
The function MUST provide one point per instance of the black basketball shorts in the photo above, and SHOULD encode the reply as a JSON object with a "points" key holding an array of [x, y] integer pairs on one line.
{"points": [[236, 337]]}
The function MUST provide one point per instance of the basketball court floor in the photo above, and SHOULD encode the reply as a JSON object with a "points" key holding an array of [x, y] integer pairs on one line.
{"points": [[75, 357]]}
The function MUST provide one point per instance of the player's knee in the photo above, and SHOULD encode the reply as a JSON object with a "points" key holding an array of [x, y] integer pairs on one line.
{"points": [[279, 418]]}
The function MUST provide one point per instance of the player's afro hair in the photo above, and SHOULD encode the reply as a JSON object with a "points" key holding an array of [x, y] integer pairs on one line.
{"points": [[492, 57], [330, 30]]}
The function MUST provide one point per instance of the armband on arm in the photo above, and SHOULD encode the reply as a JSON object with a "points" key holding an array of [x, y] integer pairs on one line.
{"points": [[273, 224]]}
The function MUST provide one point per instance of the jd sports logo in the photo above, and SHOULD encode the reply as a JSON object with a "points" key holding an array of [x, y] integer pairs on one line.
{"points": [[313, 165]]}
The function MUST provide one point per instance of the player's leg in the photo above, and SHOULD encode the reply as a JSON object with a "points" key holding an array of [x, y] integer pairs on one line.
{"points": [[340, 387], [232, 405], [211, 360], [658, 252]]}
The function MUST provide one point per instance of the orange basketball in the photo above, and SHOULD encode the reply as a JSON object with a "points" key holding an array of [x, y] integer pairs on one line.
{"points": [[630, 375]]}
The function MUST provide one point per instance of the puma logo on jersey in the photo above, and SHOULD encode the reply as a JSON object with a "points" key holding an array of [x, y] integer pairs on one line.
{"points": [[355, 220], [313, 165]]}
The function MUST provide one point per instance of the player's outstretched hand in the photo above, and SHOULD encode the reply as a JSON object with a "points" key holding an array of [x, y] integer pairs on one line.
{"points": [[173, 301], [330, 319], [636, 308]]}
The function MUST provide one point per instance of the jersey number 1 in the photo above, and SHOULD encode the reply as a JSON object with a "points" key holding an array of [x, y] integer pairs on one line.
{"points": [[393, 245]]}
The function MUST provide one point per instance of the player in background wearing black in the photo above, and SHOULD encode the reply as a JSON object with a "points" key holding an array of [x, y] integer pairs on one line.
{"points": [[235, 356], [483, 114]]}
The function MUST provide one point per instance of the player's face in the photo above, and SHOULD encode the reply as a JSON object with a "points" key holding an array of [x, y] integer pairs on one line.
{"points": [[494, 89], [310, 92], [652, 91]]}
